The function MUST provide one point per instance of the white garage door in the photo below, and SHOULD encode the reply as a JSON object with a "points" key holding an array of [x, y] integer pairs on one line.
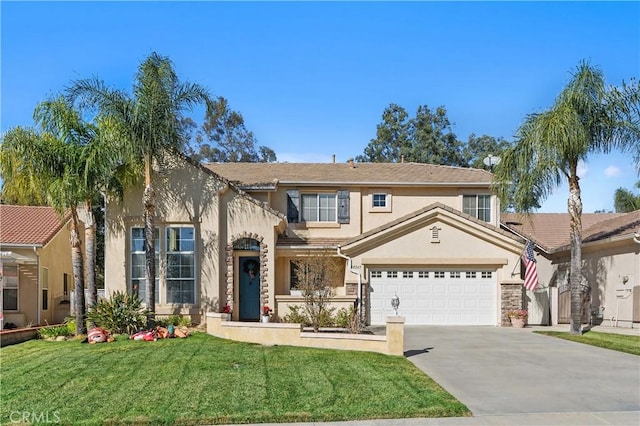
{"points": [[434, 297]]}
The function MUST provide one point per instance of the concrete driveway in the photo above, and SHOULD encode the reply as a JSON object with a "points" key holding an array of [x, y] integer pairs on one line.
{"points": [[496, 371]]}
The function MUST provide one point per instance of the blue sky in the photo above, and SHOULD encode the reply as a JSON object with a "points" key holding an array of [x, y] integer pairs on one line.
{"points": [[312, 79]]}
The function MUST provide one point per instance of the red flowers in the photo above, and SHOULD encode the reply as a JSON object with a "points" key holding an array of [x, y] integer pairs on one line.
{"points": [[266, 311], [226, 309]]}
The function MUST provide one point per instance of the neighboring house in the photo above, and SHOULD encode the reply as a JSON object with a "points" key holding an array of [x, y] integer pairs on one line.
{"points": [[611, 266], [35, 265], [227, 234]]}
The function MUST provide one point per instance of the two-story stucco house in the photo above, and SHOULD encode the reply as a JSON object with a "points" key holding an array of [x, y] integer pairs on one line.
{"points": [[35, 263], [227, 234]]}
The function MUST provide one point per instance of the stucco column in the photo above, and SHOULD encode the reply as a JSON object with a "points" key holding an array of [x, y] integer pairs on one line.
{"points": [[395, 335]]}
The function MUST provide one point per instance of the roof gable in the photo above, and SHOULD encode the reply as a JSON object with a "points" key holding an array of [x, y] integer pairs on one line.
{"points": [[265, 174], [231, 184], [429, 213], [28, 224]]}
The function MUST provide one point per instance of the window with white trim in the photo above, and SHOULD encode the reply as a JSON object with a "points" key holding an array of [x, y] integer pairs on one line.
{"points": [[470, 274], [438, 274], [423, 274], [478, 206], [454, 274], [10, 288], [379, 200], [486, 274], [376, 274], [392, 274], [319, 207], [138, 283], [180, 270]]}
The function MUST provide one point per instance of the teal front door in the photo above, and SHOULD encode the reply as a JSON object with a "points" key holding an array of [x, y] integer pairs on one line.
{"points": [[249, 283]]}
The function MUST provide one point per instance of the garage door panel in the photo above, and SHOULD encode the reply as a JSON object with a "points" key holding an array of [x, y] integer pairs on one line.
{"points": [[438, 298]]}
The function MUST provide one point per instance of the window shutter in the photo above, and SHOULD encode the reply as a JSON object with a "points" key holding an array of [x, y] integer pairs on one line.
{"points": [[343, 206], [293, 205]]}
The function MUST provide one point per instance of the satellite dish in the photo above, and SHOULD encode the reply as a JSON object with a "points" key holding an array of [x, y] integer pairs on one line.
{"points": [[491, 160]]}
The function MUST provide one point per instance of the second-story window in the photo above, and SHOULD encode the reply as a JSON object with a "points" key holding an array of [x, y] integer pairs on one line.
{"points": [[478, 206], [319, 207], [379, 200]]}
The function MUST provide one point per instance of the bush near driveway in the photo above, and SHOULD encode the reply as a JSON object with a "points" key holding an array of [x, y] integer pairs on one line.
{"points": [[206, 380], [613, 341]]}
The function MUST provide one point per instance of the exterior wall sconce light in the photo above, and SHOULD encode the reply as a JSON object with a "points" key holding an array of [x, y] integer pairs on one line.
{"points": [[395, 302]]}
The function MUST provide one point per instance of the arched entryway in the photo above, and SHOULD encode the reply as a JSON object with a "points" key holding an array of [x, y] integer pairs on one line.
{"points": [[247, 289]]}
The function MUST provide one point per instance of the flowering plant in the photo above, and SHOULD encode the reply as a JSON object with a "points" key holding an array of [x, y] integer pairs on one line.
{"points": [[266, 311], [518, 313], [226, 309]]}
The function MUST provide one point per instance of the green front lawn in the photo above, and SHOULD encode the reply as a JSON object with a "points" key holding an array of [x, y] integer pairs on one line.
{"points": [[617, 342], [206, 380]]}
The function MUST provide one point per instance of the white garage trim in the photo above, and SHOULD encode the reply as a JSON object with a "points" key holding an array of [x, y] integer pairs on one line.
{"points": [[436, 296]]}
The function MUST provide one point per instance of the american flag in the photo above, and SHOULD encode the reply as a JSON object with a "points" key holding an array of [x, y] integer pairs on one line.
{"points": [[531, 273]]}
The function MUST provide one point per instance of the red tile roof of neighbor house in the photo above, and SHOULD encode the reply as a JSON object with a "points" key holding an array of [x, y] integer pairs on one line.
{"points": [[253, 174], [28, 224], [550, 231]]}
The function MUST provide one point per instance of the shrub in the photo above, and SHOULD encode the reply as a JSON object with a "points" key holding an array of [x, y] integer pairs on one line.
{"points": [[54, 331], [175, 320], [296, 315], [316, 275], [121, 313], [70, 323]]}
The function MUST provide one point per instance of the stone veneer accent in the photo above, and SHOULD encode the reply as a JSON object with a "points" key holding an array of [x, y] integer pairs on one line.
{"points": [[264, 287], [512, 297]]}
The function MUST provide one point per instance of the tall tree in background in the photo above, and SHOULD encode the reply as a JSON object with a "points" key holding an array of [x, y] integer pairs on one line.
{"points": [[586, 117], [432, 140], [479, 148], [625, 201], [426, 138], [151, 121], [393, 137], [229, 140]]}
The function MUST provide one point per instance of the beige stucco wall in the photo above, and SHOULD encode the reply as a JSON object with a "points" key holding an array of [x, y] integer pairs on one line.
{"points": [[605, 264], [187, 195], [404, 200], [291, 334], [55, 256]]}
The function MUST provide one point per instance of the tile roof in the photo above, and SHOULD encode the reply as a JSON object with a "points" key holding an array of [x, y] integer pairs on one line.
{"points": [[626, 224], [28, 224], [252, 174], [551, 230]]}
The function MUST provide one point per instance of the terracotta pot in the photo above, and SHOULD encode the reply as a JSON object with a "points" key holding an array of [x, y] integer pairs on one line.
{"points": [[518, 322]]}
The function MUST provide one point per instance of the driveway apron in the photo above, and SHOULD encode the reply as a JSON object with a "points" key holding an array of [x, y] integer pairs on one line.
{"points": [[494, 370]]}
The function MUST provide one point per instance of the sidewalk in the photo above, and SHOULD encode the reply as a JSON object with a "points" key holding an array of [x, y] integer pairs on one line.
{"points": [[617, 418]]}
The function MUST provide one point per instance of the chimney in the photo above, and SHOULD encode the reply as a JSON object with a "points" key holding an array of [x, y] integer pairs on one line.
{"points": [[351, 163], [334, 158]]}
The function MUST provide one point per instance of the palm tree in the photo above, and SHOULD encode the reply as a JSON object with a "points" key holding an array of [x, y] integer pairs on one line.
{"points": [[151, 121], [56, 165], [586, 117]]}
